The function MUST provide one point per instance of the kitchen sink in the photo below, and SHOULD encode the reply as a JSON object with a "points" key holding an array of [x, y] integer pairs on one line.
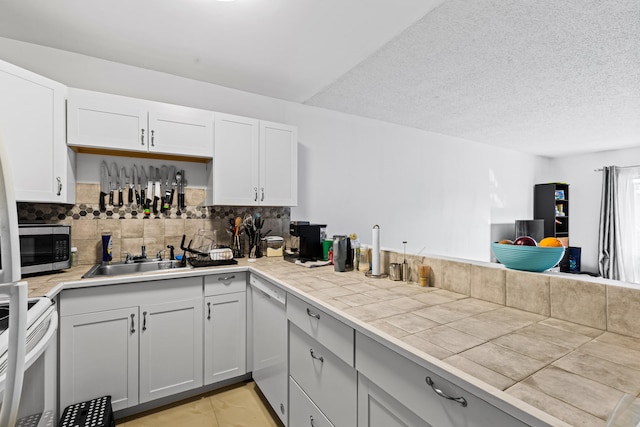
{"points": [[123, 268]]}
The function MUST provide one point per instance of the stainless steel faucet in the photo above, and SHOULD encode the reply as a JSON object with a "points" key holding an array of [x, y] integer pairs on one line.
{"points": [[128, 259]]}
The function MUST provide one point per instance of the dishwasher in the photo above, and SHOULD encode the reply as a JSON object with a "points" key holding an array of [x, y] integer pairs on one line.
{"points": [[269, 339]]}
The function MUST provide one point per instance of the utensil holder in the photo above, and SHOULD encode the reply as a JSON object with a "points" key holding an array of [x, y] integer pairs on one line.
{"points": [[424, 271], [395, 271]]}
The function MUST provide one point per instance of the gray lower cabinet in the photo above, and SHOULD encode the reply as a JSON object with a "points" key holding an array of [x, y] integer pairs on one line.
{"points": [[377, 408], [170, 348], [225, 327], [321, 363], [398, 392], [303, 412], [99, 356], [136, 342]]}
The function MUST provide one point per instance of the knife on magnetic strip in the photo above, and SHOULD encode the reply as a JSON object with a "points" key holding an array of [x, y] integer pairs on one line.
{"points": [[156, 194], [123, 181], [104, 185], [148, 195], [135, 183], [113, 182]]}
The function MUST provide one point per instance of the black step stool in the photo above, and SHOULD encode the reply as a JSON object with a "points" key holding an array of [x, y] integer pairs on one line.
{"points": [[92, 413]]}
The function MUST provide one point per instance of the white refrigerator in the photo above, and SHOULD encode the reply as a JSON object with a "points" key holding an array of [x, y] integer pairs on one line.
{"points": [[15, 291]]}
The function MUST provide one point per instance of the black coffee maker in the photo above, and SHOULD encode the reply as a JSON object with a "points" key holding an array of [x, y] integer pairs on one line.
{"points": [[310, 239]]}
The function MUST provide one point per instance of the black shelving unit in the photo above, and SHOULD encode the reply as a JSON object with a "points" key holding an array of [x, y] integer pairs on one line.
{"points": [[551, 204]]}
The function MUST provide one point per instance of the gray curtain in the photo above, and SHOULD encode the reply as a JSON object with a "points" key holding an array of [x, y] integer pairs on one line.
{"points": [[609, 263]]}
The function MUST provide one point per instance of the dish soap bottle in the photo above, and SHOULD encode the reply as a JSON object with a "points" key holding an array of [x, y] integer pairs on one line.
{"points": [[107, 247]]}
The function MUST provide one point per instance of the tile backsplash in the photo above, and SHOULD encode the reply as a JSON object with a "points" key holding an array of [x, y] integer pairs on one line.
{"points": [[130, 230]]}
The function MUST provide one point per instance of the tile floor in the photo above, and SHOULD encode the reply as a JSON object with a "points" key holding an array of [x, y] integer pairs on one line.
{"points": [[240, 405]]}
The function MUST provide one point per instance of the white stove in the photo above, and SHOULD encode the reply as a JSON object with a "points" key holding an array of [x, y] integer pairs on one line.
{"points": [[37, 406], [36, 307]]}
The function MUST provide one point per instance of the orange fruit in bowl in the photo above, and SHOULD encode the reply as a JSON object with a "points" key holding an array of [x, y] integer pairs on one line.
{"points": [[505, 242], [551, 242]]}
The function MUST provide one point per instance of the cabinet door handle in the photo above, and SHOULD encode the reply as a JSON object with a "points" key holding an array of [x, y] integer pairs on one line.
{"points": [[320, 358], [255, 190], [144, 320], [141, 136], [225, 278], [133, 325], [312, 314], [311, 421], [59, 185], [262, 197], [209, 311], [153, 137], [461, 400]]}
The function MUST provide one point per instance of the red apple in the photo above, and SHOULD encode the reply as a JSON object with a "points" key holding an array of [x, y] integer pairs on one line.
{"points": [[525, 241]]}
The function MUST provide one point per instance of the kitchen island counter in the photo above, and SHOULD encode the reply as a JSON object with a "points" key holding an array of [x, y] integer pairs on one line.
{"points": [[544, 368]]}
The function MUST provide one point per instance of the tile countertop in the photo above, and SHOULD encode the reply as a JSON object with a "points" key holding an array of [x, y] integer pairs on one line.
{"points": [[574, 373]]}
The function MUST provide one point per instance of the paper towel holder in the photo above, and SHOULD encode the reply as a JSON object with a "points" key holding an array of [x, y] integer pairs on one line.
{"points": [[376, 229]]}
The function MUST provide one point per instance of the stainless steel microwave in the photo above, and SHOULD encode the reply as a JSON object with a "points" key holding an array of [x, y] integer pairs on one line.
{"points": [[44, 247]]}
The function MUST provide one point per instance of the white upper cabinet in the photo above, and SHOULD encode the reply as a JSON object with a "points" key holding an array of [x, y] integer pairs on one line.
{"points": [[106, 121], [180, 130], [113, 122], [278, 164], [32, 127], [235, 158], [255, 163]]}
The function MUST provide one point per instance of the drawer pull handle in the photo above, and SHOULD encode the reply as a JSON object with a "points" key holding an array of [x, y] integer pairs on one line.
{"points": [[461, 400], [225, 278], [311, 421], [320, 358], [209, 308], [311, 314], [133, 325], [144, 321]]}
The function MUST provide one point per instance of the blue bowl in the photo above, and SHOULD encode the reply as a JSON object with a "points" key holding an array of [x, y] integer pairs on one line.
{"points": [[527, 258]]}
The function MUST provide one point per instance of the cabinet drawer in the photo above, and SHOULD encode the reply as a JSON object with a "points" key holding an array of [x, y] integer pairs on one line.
{"points": [[225, 283], [326, 379], [406, 382], [303, 411], [324, 328]]}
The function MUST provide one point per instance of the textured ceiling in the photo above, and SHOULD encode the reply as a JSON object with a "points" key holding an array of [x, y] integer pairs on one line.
{"points": [[545, 77], [288, 49], [542, 76]]}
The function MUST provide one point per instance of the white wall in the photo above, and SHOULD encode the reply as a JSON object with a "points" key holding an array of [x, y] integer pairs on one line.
{"points": [[585, 187], [437, 192]]}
